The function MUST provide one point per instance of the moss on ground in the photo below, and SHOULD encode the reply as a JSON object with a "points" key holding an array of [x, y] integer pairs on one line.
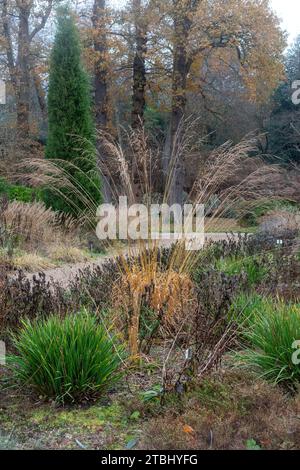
{"points": [[226, 410], [45, 426]]}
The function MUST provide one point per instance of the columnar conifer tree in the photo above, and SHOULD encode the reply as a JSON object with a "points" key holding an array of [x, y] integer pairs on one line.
{"points": [[71, 132]]}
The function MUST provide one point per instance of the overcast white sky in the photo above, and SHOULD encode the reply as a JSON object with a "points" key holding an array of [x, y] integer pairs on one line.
{"points": [[287, 10]]}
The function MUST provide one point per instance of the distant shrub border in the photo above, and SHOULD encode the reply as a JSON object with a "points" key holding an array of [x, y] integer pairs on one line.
{"points": [[20, 193]]}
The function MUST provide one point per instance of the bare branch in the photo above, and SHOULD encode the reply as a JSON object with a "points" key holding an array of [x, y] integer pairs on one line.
{"points": [[43, 21]]}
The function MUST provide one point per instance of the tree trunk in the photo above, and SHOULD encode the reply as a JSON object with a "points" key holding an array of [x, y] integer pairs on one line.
{"points": [[8, 45], [173, 158], [40, 95], [139, 67], [101, 89], [23, 89], [100, 47]]}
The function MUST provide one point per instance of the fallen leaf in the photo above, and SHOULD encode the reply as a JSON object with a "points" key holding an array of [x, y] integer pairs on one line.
{"points": [[188, 429]]}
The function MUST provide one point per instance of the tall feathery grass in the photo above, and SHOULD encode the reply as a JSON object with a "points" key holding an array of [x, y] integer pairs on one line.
{"points": [[33, 223], [129, 167]]}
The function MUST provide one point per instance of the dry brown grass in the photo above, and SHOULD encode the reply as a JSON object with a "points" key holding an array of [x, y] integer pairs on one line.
{"points": [[34, 261], [35, 238], [67, 254], [31, 262], [167, 294], [223, 413], [33, 224]]}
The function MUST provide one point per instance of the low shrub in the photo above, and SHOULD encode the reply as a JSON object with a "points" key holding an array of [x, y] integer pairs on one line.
{"points": [[279, 222], [21, 297], [274, 329], [216, 291], [251, 218], [19, 193], [24, 297], [67, 360], [206, 334], [230, 410], [284, 279], [92, 285], [238, 248]]}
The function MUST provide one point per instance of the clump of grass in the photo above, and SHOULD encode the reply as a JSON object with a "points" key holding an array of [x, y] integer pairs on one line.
{"points": [[253, 266], [30, 224], [244, 306], [149, 302], [69, 360], [68, 254], [274, 328], [31, 262], [36, 230]]}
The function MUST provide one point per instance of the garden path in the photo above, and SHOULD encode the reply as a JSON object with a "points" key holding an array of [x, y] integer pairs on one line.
{"points": [[64, 274]]}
